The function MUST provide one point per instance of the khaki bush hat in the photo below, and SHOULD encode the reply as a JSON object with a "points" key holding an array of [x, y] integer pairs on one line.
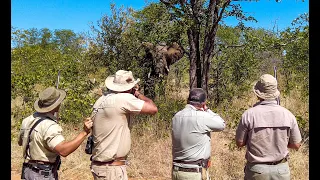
{"points": [[266, 87], [121, 81], [49, 99]]}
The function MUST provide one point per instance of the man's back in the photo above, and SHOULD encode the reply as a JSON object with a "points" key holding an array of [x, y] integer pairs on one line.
{"points": [[110, 129], [45, 136], [191, 133], [270, 127]]}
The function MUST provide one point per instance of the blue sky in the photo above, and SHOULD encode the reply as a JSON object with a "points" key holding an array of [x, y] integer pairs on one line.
{"points": [[78, 14]]}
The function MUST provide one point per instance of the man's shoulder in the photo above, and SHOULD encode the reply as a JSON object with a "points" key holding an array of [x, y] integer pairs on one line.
{"points": [[30, 120]]}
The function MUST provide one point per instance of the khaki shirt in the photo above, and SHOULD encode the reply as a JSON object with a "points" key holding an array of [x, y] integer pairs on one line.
{"points": [[44, 137], [266, 129], [111, 134]]}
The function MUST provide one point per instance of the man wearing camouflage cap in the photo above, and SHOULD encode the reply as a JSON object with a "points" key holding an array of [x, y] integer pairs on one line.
{"points": [[42, 139], [268, 130]]}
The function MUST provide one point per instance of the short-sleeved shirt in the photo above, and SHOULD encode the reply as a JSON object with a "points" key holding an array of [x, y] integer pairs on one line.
{"points": [[191, 133], [111, 133], [266, 129], [44, 137]]}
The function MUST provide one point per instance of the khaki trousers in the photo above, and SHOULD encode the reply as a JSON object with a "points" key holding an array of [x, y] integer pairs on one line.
{"points": [[265, 172], [180, 175], [107, 172]]}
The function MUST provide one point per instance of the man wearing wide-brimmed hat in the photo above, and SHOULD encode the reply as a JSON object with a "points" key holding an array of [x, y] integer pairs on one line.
{"points": [[268, 130], [111, 133], [42, 139]]}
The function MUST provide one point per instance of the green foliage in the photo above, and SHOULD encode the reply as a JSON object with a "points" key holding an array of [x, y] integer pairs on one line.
{"points": [[36, 62], [155, 24], [296, 58]]}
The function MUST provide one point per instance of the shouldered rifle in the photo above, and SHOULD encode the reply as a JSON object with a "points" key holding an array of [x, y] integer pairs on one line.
{"points": [[275, 76], [58, 80], [57, 163]]}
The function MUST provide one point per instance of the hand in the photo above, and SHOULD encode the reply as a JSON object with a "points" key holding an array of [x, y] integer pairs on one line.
{"points": [[136, 87], [87, 125], [205, 107], [136, 93]]}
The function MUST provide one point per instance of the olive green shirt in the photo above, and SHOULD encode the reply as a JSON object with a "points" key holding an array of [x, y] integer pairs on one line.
{"points": [[44, 137]]}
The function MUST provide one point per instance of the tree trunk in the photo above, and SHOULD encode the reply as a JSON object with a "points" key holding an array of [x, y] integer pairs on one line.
{"points": [[195, 62]]}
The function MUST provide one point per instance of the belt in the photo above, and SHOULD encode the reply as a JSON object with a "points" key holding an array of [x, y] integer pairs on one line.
{"points": [[40, 162], [273, 163], [197, 170], [45, 170], [201, 162], [116, 162]]}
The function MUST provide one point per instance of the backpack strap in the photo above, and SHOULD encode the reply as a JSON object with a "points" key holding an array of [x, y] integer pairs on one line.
{"points": [[34, 125]]}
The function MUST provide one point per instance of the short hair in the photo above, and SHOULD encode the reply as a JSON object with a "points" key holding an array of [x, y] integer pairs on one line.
{"points": [[197, 96]]}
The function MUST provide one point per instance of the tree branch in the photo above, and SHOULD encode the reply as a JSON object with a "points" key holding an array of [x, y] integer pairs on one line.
{"points": [[222, 11]]}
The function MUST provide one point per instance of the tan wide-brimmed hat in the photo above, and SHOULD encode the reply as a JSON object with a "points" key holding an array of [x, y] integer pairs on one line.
{"points": [[266, 87], [49, 99], [121, 81]]}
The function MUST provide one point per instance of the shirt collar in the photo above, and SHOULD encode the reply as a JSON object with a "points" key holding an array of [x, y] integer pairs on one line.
{"points": [[267, 102], [192, 107], [49, 115]]}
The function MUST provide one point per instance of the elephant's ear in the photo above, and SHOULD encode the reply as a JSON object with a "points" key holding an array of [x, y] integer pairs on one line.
{"points": [[174, 53]]}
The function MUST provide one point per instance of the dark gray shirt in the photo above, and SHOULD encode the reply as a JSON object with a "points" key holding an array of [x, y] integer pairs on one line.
{"points": [[191, 133]]}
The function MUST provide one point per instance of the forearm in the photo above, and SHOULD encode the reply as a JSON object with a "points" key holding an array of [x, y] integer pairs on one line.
{"points": [[65, 148], [143, 97], [215, 122], [295, 146], [149, 107]]}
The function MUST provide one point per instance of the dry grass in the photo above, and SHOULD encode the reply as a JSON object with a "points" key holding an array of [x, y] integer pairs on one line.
{"points": [[150, 158]]}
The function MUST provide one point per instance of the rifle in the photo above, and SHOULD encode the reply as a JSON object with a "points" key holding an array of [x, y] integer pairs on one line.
{"points": [[56, 113], [58, 79], [57, 162], [275, 76]]}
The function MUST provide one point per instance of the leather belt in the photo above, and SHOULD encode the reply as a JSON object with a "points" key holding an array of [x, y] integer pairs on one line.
{"points": [[201, 162], [197, 170], [40, 162], [42, 169], [116, 162], [273, 163]]}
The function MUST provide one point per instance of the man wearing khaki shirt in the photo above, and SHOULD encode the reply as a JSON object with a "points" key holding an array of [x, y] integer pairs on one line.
{"points": [[42, 139], [111, 133], [268, 130]]}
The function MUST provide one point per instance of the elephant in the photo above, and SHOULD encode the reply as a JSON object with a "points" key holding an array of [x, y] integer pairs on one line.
{"points": [[163, 56], [158, 59]]}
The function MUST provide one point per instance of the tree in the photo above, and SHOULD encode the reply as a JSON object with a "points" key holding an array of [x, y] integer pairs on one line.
{"points": [[202, 19], [295, 45]]}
